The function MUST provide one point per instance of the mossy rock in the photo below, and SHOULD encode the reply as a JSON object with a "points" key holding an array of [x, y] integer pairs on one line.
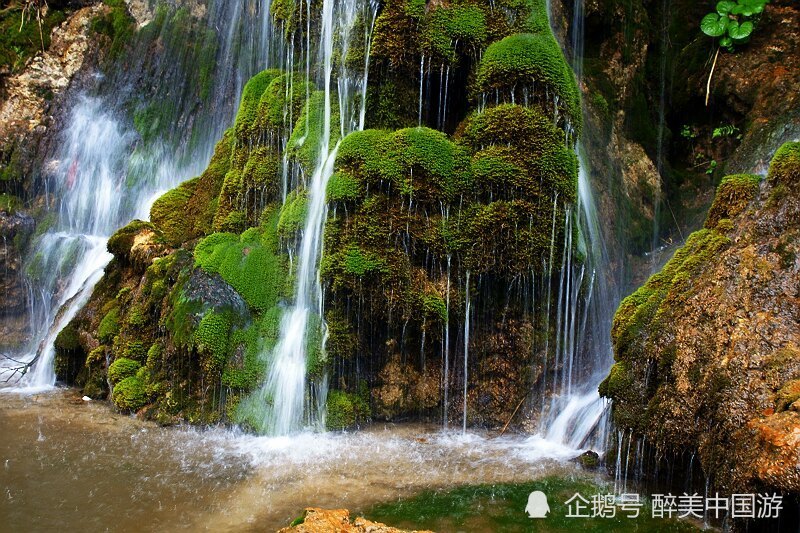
{"points": [[785, 166], [109, 326], [130, 394], [734, 193], [121, 242], [169, 213], [122, 368], [345, 410], [534, 62], [251, 262]]}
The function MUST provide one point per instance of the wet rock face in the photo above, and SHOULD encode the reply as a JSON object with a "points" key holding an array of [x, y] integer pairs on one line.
{"points": [[708, 350], [30, 99], [14, 228]]}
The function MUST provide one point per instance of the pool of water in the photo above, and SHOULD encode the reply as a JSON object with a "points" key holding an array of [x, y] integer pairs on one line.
{"points": [[74, 465]]}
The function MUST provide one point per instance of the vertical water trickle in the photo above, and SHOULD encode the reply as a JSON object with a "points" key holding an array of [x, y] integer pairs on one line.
{"points": [[662, 97], [284, 389], [446, 373], [466, 351]]}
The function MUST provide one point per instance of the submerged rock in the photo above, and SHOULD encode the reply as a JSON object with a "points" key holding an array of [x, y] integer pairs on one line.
{"points": [[317, 520]]}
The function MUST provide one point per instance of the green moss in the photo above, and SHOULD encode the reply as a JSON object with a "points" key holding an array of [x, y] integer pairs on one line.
{"points": [[435, 307], [116, 24], [785, 166], [534, 62], [733, 194], [251, 97], [305, 143], [292, 214], [109, 326], [169, 213], [281, 101], [445, 26], [251, 263], [19, 42], [520, 150], [122, 368], [9, 203], [249, 349], [130, 394], [343, 187], [68, 339], [500, 507], [345, 410], [420, 162], [211, 340]]}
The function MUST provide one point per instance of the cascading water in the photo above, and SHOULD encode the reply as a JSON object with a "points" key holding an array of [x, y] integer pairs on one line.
{"points": [[285, 385], [586, 301], [104, 173]]}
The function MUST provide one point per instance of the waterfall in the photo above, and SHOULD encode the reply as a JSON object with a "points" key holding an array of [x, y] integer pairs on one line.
{"points": [[285, 385], [103, 173], [576, 415]]}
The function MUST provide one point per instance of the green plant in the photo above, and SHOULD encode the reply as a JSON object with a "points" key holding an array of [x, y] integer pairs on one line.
{"points": [[728, 130], [733, 22], [687, 132]]}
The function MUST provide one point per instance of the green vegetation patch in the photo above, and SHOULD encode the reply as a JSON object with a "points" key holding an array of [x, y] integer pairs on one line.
{"points": [[501, 507], [533, 61], [251, 262]]}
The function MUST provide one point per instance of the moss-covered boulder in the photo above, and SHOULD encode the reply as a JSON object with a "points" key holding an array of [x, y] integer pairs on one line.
{"points": [[706, 350]]}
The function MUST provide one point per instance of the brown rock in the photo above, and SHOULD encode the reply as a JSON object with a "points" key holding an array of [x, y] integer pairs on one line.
{"points": [[318, 520]]}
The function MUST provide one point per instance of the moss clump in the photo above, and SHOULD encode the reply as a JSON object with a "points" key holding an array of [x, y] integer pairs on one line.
{"points": [[130, 394], [733, 194], [520, 152], [293, 214], [251, 97], [169, 213], [109, 326], [533, 62], [211, 340], [345, 410], [281, 103], [785, 166], [68, 339], [343, 187], [446, 26], [251, 262], [419, 162], [122, 368], [305, 143]]}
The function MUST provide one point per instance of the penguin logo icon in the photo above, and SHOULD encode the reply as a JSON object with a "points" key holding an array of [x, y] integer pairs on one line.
{"points": [[537, 505]]}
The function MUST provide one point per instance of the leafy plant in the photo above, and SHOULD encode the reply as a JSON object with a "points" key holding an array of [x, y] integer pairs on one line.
{"points": [[727, 130], [733, 21]]}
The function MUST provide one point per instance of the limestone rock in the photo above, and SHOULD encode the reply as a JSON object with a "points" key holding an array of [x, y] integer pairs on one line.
{"points": [[338, 521]]}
